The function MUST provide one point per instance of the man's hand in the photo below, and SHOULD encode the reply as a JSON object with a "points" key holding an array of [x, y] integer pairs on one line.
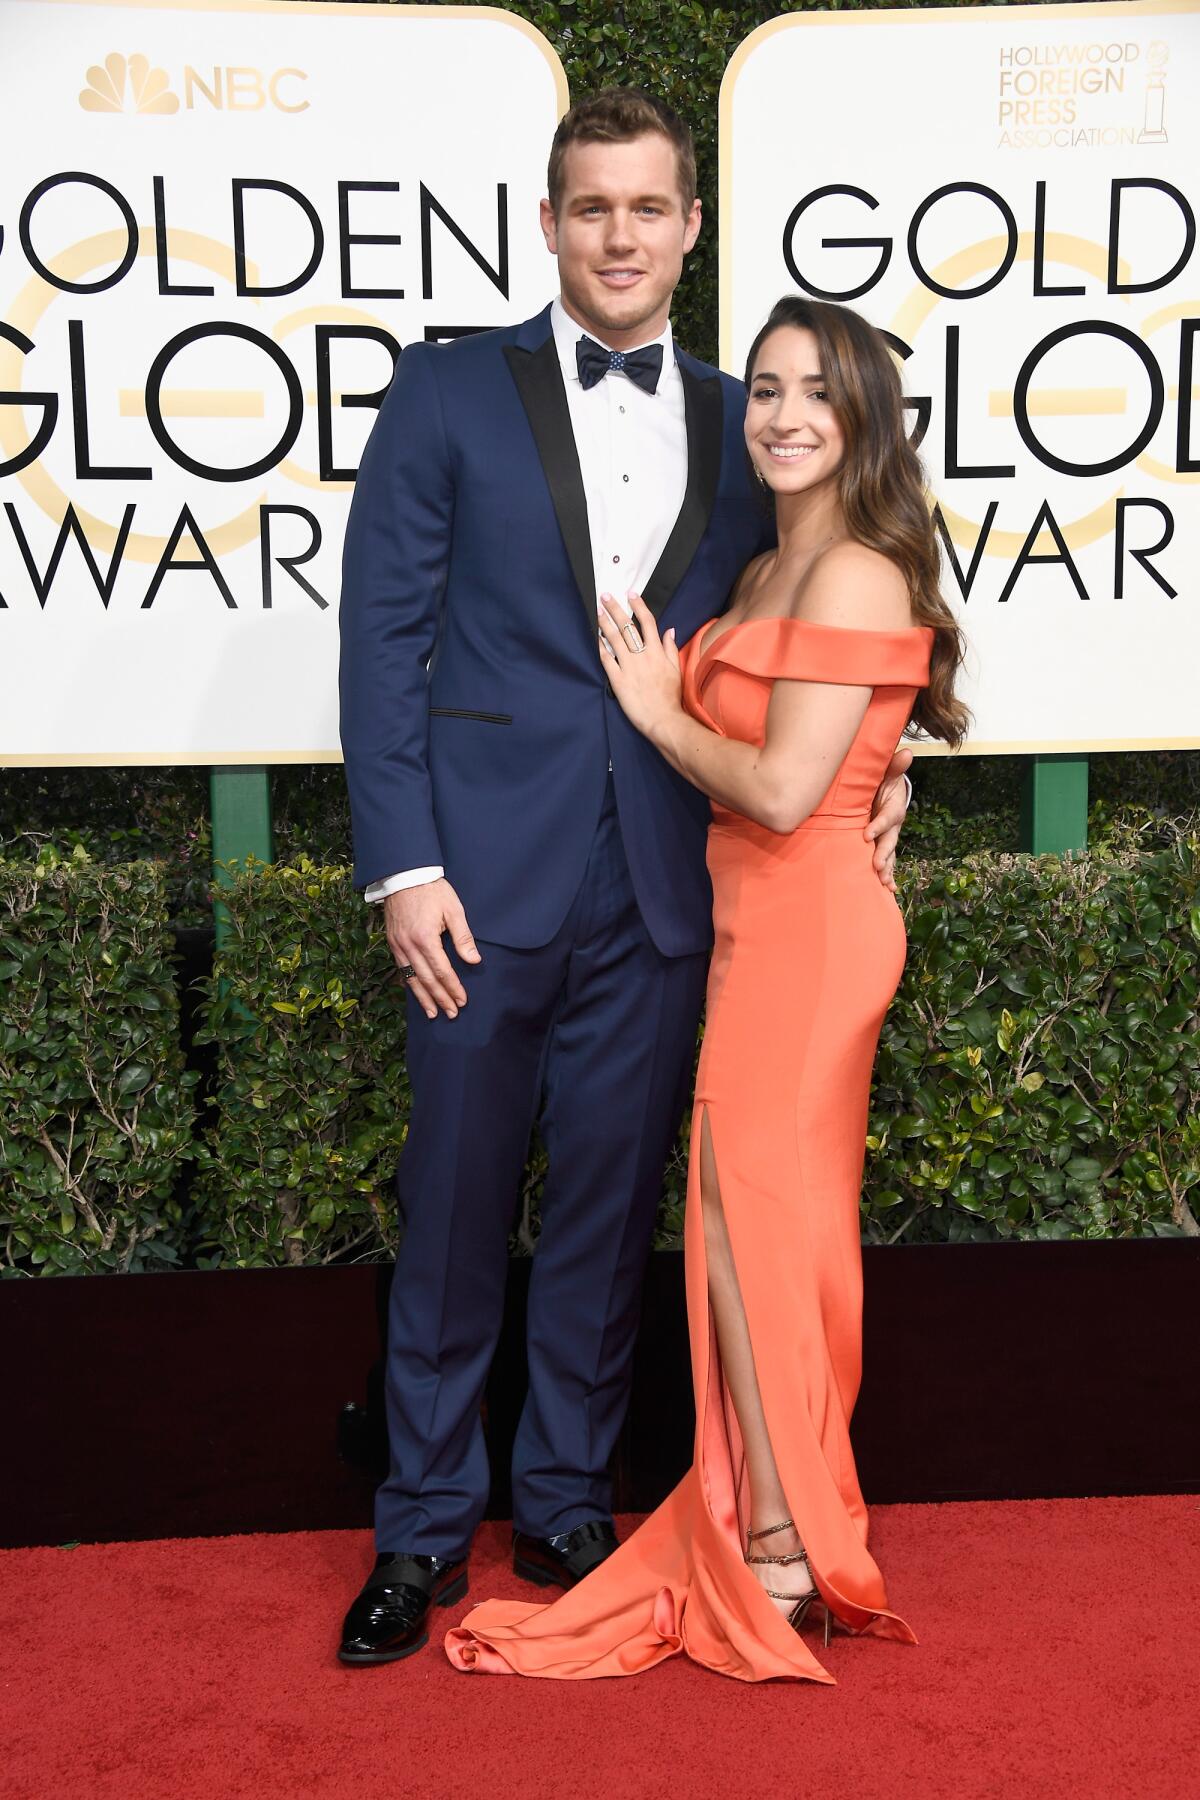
{"points": [[887, 816], [416, 920]]}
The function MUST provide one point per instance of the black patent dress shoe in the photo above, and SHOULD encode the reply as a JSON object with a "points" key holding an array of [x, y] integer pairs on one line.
{"points": [[564, 1560], [388, 1619]]}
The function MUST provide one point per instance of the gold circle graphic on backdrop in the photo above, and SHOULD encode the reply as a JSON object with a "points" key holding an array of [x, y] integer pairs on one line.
{"points": [[31, 304]]}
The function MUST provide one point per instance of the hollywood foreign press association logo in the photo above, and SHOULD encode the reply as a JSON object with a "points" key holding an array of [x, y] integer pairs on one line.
{"points": [[127, 84]]}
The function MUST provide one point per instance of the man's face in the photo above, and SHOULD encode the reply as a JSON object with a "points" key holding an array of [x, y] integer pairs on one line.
{"points": [[620, 236]]}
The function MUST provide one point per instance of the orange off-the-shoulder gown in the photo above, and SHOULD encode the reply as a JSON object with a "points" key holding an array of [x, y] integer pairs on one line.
{"points": [[809, 950]]}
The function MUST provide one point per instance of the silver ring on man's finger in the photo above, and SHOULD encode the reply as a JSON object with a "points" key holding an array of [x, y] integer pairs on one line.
{"points": [[407, 972]]}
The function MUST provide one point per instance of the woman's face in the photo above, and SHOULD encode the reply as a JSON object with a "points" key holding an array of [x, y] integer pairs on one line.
{"points": [[792, 433]]}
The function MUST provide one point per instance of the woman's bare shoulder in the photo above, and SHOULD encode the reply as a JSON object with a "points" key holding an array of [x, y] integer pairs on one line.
{"points": [[749, 577], [851, 585]]}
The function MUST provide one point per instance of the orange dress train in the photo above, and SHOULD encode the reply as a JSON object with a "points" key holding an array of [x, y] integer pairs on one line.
{"points": [[809, 951]]}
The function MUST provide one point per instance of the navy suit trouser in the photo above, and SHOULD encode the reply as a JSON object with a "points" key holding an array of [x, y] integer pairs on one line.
{"points": [[593, 1035]]}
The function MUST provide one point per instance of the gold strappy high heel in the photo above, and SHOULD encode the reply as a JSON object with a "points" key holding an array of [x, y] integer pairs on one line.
{"points": [[800, 1611]]}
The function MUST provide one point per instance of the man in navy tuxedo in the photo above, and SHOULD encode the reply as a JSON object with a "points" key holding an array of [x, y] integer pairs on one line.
{"points": [[502, 801]]}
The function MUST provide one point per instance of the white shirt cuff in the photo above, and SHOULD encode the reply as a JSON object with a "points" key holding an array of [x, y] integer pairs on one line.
{"points": [[377, 891]]}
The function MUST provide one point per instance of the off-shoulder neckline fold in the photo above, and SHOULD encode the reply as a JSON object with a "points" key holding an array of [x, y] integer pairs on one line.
{"points": [[862, 631]]}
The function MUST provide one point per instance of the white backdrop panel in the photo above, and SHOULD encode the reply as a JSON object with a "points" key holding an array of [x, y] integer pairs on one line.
{"points": [[142, 119], [1048, 110]]}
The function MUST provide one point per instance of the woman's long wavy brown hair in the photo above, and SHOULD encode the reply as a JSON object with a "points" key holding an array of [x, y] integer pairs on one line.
{"points": [[882, 486]]}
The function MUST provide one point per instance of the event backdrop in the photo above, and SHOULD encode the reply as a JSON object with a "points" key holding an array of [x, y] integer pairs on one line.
{"points": [[226, 218], [220, 224], [1011, 193]]}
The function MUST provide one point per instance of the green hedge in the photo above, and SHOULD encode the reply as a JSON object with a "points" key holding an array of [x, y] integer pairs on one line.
{"points": [[966, 805], [1039, 1075], [311, 1100], [96, 1110], [310, 1110]]}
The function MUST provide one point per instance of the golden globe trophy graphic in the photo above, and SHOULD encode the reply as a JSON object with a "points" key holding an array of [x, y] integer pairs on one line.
{"points": [[1154, 129]]}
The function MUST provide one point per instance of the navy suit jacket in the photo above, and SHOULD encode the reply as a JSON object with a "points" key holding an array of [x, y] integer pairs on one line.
{"points": [[477, 724]]}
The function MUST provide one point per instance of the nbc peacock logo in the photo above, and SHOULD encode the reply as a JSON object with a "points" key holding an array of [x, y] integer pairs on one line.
{"points": [[127, 84]]}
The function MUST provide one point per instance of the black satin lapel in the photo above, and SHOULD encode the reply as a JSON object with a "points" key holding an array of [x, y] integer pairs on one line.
{"points": [[703, 410], [538, 376]]}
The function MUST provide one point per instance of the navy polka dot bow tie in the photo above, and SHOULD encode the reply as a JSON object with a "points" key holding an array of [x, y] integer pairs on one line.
{"points": [[594, 362]]}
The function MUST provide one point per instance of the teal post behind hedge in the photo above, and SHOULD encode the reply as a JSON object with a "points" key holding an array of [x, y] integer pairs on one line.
{"points": [[1054, 805], [241, 826]]}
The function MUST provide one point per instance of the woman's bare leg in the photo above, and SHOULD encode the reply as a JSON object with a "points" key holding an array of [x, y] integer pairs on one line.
{"points": [[768, 1502]]}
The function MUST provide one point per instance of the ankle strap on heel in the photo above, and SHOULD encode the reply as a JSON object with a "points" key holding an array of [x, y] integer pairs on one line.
{"points": [[794, 1556], [752, 1537]]}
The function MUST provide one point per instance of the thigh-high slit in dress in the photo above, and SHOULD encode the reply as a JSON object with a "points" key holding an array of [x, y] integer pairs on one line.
{"points": [[809, 951]]}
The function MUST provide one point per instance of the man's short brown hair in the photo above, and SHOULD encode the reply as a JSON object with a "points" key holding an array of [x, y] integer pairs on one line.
{"points": [[613, 116]]}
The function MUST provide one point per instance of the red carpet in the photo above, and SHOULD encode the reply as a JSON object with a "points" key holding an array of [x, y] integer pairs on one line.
{"points": [[1059, 1656]]}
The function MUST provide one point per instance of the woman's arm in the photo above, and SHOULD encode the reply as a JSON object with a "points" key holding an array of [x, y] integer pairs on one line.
{"points": [[810, 725]]}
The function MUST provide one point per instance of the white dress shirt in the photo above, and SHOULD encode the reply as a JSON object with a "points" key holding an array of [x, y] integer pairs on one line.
{"points": [[633, 458]]}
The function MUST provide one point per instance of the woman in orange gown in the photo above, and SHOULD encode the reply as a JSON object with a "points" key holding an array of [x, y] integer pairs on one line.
{"points": [[786, 712]]}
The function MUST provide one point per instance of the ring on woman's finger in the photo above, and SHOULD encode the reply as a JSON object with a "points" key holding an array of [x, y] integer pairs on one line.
{"points": [[407, 972], [632, 637]]}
